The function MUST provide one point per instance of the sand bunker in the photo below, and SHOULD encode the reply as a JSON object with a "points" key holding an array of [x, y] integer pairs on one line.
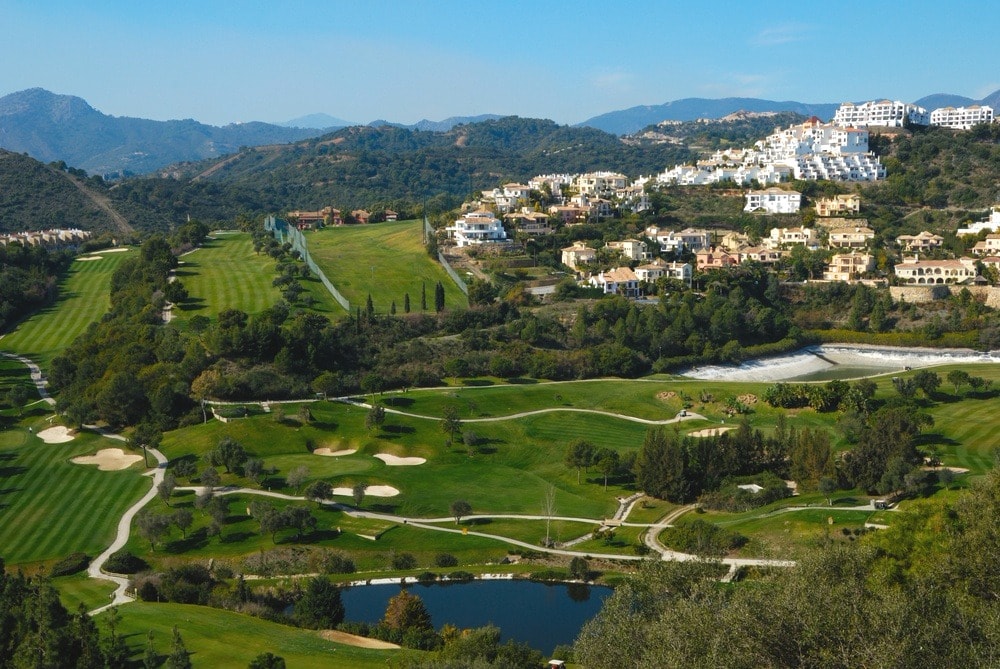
{"points": [[110, 251], [710, 432], [91, 258], [396, 461], [108, 459], [327, 452], [354, 640], [370, 491], [666, 395], [58, 434]]}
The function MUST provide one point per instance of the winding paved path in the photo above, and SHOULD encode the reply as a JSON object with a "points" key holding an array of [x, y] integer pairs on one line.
{"points": [[96, 567]]}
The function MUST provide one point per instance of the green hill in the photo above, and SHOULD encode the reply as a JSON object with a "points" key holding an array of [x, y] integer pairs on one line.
{"points": [[36, 196]]}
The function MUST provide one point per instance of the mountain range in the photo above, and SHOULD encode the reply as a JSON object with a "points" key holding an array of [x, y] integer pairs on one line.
{"points": [[52, 128]]}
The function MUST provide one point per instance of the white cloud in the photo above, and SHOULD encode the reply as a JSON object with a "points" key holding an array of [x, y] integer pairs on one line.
{"points": [[781, 34], [613, 80]]}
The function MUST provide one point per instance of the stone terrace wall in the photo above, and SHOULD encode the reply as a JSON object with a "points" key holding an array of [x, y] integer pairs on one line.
{"points": [[920, 294]]}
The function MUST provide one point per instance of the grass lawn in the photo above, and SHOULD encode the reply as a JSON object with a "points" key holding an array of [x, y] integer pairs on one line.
{"points": [[83, 298], [81, 589], [219, 638], [51, 507], [386, 260], [225, 273]]}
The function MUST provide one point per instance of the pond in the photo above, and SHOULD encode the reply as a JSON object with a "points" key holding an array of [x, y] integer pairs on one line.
{"points": [[539, 614]]}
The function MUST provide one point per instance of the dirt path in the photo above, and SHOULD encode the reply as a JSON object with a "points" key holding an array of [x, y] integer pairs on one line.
{"points": [[357, 641], [103, 203]]}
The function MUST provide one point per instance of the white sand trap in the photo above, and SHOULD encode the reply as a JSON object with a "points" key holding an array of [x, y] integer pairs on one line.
{"points": [[108, 459], [711, 431], [396, 461], [91, 258], [111, 251], [333, 454], [370, 491], [58, 434]]}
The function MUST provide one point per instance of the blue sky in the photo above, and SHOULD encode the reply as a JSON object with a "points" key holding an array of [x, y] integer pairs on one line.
{"points": [[221, 61]]}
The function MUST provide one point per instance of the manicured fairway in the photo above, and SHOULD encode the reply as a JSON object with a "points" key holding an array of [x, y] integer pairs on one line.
{"points": [[50, 507], [225, 273], [222, 639], [386, 260], [83, 299]]}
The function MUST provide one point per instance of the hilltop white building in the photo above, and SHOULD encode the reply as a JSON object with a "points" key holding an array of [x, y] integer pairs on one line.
{"points": [[811, 150], [962, 118], [883, 113], [477, 227]]}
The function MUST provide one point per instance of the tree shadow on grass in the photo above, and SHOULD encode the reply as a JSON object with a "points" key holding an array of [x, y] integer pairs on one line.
{"points": [[191, 304], [12, 470], [933, 438], [236, 537], [382, 507], [476, 382], [398, 402], [325, 425], [478, 521], [397, 430], [522, 381], [196, 539]]}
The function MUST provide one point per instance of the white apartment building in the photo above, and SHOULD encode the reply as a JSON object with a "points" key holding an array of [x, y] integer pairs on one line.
{"points": [[659, 268], [962, 118], [477, 227], [992, 224], [601, 184], [620, 280], [773, 201], [782, 237], [883, 113], [633, 249], [556, 183], [689, 239]]}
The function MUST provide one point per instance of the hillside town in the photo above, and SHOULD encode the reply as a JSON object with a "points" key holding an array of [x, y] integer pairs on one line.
{"points": [[834, 228]]}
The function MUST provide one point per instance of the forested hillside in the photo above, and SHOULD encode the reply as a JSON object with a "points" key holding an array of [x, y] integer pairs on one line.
{"points": [[35, 196]]}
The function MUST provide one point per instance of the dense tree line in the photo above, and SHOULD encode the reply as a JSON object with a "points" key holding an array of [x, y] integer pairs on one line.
{"points": [[922, 593], [28, 278]]}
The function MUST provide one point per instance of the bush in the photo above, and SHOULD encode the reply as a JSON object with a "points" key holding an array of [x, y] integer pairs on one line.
{"points": [[71, 564], [427, 577], [336, 563], [446, 560], [404, 561], [460, 576], [123, 562], [703, 538], [550, 575]]}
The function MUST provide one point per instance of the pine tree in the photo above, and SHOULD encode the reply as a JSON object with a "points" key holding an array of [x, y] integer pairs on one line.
{"points": [[150, 659], [179, 657], [406, 303], [370, 307], [392, 308]]}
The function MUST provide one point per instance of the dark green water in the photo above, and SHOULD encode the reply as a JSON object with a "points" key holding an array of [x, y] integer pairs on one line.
{"points": [[541, 615]]}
